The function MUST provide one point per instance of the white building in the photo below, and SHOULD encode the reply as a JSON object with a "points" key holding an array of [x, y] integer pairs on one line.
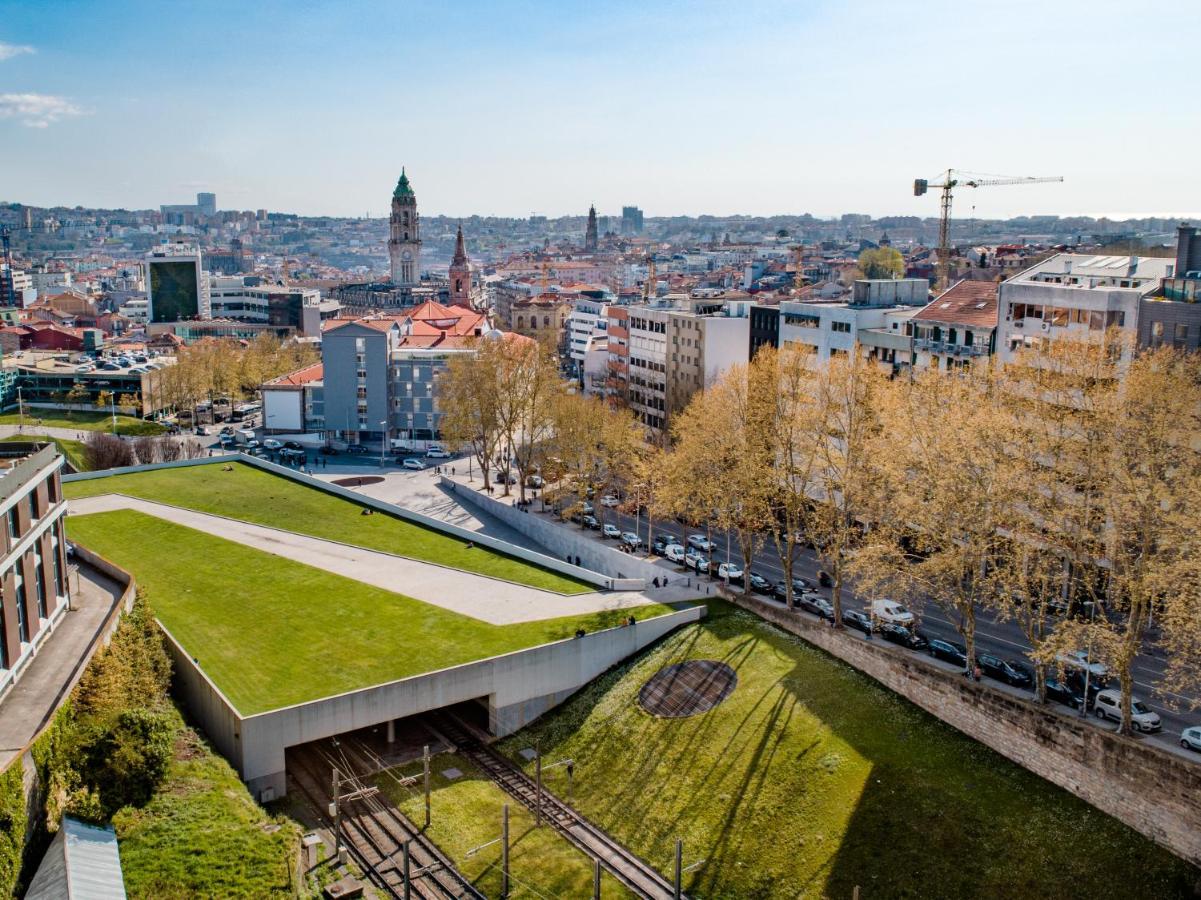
{"points": [[1073, 295], [587, 323], [137, 310]]}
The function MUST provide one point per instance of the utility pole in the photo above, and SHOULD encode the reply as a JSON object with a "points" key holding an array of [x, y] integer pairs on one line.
{"points": [[407, 880], [538, 773], [337, 813], [504, 853], [426, 761], [679, 867]]}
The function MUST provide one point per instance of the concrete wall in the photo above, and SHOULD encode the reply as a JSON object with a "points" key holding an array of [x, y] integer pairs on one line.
{"points": [[1154, 792], [627, 571], [216, 714], [555, 564], [519, 686]]}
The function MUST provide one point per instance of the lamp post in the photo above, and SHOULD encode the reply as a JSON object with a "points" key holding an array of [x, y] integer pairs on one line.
{"points": [[383, 443]]}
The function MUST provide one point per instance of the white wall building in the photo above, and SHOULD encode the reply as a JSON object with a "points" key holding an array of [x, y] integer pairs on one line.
{"points": [[587, 322], [1072, 295]]}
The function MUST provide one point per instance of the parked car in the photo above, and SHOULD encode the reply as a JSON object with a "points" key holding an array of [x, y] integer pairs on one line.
{"points": [[505, 477], [1004, 670], [610, 501], [294, 445], [588, 509], [860, 621], [252, 444], [357, 450], [1082, 661], [272, 444], [1190, 738], [437, 453], [899, 634], [662, 542], [534, 481], [228, 429], [225, 439], [611, 531], [700, 542], [824, 579], [328, 451], [413, 463], [590, 522], [202, 431], [730, 572], [1062, 693], [949, 651], [674, 552], [885, 610], [1108, 705], [294, 455], [818, 605], [83, 370], [631, 540], [698, 563], [759, 584], [802, 584]]}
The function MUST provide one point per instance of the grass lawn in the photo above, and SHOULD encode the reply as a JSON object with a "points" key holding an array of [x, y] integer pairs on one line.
{"points": [[266, 629], [467, 812], [202, 835], [811, 779], [81, 420], [263, 498], [72, 450]]}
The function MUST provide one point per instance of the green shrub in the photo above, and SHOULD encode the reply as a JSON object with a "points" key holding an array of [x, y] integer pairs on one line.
{"points": [[125, 759], [13, 821]]}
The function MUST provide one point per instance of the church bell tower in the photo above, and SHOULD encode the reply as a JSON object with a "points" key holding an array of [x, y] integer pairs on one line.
{"points": [[404, 234]]}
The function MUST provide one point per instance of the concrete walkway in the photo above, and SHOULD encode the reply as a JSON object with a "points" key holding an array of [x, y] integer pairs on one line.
{"points": [[31, 428], [487, 599], [45, 682]]}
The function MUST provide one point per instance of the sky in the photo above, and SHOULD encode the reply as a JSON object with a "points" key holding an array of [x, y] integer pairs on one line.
{"points": [[756, 107]]}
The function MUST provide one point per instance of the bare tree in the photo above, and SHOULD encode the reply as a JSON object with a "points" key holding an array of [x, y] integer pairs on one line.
{"points": [[469, 399], [146, 449], [106, 451]]}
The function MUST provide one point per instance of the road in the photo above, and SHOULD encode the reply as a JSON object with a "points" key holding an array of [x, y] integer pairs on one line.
{"points": [[1000, 638]]}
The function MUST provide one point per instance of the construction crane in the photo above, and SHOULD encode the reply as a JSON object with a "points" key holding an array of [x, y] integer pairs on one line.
{"points": [[952, 179]]}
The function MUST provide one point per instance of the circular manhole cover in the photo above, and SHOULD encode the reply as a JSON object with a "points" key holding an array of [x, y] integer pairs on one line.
{"points": [[687, 688]]}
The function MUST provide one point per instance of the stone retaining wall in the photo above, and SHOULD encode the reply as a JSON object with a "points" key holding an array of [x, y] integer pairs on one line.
{"points": [[1154, 792]]}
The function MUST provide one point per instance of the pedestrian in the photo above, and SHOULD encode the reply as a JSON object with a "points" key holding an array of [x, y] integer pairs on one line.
{"points": [[976, 672], [452, 470], [655, 581]]}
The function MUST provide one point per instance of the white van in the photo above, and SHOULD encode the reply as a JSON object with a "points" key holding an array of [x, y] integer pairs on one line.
{"points": [[892, 612], [245, 434]]}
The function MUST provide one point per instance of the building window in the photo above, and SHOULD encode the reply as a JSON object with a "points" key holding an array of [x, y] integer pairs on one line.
{"points": [[38, 584], [1180, 338], [1156, 334], [14, 527], [59, 587], [22, 625], [3, 644]]}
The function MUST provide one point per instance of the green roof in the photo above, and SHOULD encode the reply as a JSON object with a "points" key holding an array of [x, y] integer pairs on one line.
{"points": [[403, 188]]}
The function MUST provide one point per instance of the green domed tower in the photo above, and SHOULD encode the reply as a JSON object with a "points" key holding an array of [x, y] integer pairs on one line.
{"points": [[404, 235]]}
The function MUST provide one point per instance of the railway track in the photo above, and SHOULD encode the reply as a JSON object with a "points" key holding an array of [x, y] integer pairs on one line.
{"points": [[631, 870], [373, 830]]}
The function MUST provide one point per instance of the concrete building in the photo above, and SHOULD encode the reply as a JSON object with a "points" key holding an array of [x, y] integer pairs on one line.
{"points": [[832, 328], [1074, 295], [380, 373], [586, 324], [764, 327], [33, 564], [243, 299], [617, 345], [701, 347], [176, 287], [295, 403], [1172, 316]]}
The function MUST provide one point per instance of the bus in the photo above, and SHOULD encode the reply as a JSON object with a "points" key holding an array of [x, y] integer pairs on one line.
{"points": [[245, 411]]}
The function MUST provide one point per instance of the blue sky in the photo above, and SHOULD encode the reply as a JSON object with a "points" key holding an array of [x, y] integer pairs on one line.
{"points": [[509, 108]]}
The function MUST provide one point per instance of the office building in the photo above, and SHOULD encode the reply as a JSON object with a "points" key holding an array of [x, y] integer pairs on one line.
{"points": [[631, 221], [176, 288], [242, 299], [831, 328], [1172, 315]]}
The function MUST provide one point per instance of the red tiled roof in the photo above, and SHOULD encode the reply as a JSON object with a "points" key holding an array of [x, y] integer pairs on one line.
{"points": [[300, 377], [969, 303]]}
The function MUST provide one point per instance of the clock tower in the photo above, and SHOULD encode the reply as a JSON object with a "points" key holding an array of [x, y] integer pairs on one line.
{"points": [[404, 235]]}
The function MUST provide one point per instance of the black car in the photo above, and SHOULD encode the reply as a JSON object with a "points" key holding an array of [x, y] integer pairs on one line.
{"points": [[779, 590], [899, 634], [824, 579], [591, 522], [357, 450], [801, 584], [759, 584], [1004, 670], [328, 451], [1074, 680], [228, 429], [1061, 693], [949, 652], [293, 445], [662, 542], [857, 620]]}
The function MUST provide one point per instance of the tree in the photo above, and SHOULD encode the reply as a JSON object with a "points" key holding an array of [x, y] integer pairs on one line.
{"points": [[881, 262], [104, 399], [469, 399], [529, 385], [77, 396], [843, 427], [946, 469], [106, 451]]}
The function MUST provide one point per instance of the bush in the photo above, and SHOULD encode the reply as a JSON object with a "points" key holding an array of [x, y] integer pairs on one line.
{"points": [[13, 821], [106, 451], [124, 760]]}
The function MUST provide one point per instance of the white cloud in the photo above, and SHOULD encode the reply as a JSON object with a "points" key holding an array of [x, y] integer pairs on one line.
{"points": [[36, 110], [8, 51]]}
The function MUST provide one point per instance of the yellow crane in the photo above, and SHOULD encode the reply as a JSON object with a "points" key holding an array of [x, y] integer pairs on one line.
{"points": [[952, 179]]}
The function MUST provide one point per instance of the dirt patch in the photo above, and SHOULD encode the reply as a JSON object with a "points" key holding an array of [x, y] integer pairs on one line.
{"points": [[687, 688]]}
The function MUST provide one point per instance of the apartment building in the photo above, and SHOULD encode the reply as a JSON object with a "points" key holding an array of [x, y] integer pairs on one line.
{"points": [[1172, 316], [618, 347], [245, 299], [33, 561], [586, 326], [700, 348], [647, 380], [380, 373], [831, 328], [957, 327], [1074, 295]]}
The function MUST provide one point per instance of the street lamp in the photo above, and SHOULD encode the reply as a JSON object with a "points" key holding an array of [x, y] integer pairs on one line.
{"points": [[383, 441]]}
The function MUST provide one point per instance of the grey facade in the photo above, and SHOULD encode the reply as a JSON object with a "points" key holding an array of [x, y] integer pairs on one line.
{"points": [[355, 395]]}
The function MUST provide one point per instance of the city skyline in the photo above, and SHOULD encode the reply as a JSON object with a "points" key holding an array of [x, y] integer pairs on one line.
{"points": [[509, 109]]}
